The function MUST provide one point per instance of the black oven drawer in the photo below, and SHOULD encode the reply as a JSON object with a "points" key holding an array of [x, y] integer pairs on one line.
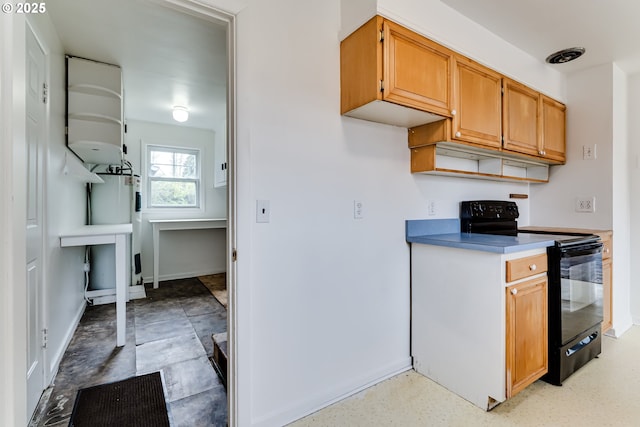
{"points": [[565, 360]]}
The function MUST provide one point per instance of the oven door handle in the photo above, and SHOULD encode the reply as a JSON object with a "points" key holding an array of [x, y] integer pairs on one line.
{"points": [[591, 249]]}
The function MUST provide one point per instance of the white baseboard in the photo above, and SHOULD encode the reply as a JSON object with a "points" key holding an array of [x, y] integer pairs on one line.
{"points": [[186, 275], [322, 399], [54, 362], [108, 296]]}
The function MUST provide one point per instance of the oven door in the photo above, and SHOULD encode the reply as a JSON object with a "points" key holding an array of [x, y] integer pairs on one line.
{"points": [[580, 288]]}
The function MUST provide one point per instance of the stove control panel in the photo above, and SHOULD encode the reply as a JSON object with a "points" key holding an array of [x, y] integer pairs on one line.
{"points": [[489, 209]]}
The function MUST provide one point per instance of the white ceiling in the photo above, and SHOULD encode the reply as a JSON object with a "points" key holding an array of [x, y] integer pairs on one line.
{"points": [[168, 58], [608, 29]]}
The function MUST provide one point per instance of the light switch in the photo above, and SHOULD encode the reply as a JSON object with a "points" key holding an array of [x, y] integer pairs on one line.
{"points": [[262, 211]]}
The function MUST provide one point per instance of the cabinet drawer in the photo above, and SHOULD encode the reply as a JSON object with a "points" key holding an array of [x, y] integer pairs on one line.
{"points": [[525, 267]]}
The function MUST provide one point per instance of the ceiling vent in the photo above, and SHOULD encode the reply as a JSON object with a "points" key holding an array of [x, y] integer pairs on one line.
{"points": [[565, 55]]}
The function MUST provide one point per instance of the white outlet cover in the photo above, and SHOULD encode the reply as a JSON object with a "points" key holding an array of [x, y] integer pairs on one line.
{"points": [[358, 209]]}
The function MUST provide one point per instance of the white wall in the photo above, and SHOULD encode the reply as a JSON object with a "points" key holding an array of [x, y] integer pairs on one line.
{"points": [[323, 299], [589, 121], [183, 253], [634, 173], [621, 201]]}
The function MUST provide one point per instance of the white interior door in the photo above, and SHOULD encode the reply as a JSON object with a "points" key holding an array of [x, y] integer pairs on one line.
{"points": [[35, 131]]}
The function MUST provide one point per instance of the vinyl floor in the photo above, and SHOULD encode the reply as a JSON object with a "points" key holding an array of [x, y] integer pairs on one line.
{"points": [[169, 331]]}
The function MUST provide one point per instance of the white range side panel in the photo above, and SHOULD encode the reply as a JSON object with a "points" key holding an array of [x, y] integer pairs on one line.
{"points": [[458, 320]]}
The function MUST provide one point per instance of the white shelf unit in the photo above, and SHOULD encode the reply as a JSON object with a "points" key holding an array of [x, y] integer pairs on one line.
{"points": [[94, 110], [454, 160]]}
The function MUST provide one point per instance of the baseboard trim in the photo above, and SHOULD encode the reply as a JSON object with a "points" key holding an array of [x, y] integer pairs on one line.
{"points": [[108, 296], [323, 399], [175, 276], [54, 362]]}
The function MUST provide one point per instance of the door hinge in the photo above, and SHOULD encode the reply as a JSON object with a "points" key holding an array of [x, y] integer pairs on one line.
{"points": [[45, 92], [44, 337], [381, 35], [381, 85], [234, 255]]}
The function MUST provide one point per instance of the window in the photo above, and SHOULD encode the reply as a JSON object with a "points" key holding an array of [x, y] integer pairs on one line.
{"points": [[173, 177]]}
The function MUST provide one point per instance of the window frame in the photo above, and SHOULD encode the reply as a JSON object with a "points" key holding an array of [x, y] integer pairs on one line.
{"points": [[197, 152]]}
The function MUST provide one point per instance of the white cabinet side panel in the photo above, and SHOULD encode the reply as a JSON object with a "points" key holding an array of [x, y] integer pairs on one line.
{"points": [[458, 320]]}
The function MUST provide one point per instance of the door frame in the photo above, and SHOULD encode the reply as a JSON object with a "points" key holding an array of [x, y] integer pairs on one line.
{"points": [[13, 329], [214, 14]]}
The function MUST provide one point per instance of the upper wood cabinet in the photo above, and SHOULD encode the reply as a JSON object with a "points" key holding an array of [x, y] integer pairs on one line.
{"points": [[552, 129], [477, 94], [393, 75], [520, 118], [390, 74], [532, 123], [417, 71]]}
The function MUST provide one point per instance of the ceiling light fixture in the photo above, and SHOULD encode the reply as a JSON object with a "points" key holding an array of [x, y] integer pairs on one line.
{"points": [[180, 113], [565, 55]]}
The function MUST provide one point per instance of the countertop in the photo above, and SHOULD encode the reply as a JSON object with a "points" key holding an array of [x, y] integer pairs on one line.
{"points": [[444, 232], [486, 242]]}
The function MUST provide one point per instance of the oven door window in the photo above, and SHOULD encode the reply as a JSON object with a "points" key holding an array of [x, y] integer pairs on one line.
{"points": [[581, 292]]}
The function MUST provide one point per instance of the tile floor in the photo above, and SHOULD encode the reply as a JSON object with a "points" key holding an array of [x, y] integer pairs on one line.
{"points": [[170, 330]]}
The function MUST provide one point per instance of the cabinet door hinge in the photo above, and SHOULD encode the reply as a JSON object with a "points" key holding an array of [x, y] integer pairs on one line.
{"points": [[381, 35], [381, 85], [44, 338], [234, 255], [45, 92]]}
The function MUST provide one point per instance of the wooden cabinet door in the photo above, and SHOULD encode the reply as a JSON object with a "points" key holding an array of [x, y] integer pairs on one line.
{"points": [[526, 341], [417, 71], [520, 118], [607, 321], [477, 94], [552, 132]]}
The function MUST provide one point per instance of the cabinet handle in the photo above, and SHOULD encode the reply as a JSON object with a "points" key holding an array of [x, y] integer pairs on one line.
{"points": [[544, 153], [458, 134], [607, 250], [453, 112], [514, 291], [533, 267]]}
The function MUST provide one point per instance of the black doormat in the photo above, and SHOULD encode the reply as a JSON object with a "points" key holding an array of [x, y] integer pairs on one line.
{"points": [[135, 402]]}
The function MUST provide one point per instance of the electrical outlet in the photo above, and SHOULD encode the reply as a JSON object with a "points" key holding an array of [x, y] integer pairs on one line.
{"points": [[262, 211], [586, 204], [431, 208], [358, 210]]}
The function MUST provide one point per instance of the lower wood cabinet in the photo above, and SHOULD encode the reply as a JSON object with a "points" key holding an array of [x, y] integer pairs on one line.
{"points": [[526, 333], [607, 281]]}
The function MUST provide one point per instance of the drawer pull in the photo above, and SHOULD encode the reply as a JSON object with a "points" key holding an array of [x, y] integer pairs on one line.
{"points": [[533, 267], [514, 291]]}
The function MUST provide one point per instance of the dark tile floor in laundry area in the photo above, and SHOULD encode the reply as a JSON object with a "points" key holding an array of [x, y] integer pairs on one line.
{"points": [[170, 330]]}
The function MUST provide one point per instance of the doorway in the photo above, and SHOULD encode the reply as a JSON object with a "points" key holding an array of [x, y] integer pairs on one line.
{"points": [[214, 18]]}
